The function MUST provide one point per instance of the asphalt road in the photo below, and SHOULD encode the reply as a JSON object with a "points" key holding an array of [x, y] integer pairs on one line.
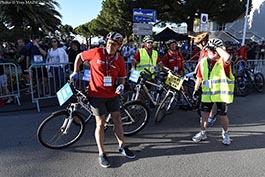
{"points": [[164, 150]]}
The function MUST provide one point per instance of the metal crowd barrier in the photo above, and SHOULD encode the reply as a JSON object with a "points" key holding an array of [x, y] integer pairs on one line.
{"points": [[11, 75], [46, 79], [257, 64]]}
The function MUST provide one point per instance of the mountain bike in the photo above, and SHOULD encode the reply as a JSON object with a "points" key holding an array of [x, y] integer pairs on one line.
{"points": [[146, 89], [177, 87], [64, 127], [248, 79]]}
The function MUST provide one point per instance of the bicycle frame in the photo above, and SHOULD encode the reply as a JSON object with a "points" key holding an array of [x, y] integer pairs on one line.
{"points": [[83, 103]]}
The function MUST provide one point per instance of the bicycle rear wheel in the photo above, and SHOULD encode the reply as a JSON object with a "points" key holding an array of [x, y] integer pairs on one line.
{"points": [[259, 82], [134, 115], [241, 86], [53, 132], [163, 108]]}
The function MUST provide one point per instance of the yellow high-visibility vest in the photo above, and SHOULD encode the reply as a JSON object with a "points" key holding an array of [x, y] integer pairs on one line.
{"points": [[216, 86], [146, 61]]}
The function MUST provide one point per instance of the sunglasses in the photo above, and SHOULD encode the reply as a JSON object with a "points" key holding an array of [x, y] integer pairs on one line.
{"points": [[54, 41]]}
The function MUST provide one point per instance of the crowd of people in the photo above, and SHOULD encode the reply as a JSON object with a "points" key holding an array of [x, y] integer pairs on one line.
{"points": [[107, 64], [35, 51]]}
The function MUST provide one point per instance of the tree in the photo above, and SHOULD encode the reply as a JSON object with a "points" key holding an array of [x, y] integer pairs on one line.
{"points": [[116, 15], [29, 17], [65, 32], [84, 30], [221, 11]]}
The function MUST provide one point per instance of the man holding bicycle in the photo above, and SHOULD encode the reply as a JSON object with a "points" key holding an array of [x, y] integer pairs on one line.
{"points": [[217, 81], [107, 67]]}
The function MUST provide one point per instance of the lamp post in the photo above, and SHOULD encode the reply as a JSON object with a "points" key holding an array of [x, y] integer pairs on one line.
{"points": [[245, 24]]}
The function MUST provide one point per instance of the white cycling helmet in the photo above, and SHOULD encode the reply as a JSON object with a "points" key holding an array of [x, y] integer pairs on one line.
{"points": [[215, 43], [148, 38], [117, 37]]}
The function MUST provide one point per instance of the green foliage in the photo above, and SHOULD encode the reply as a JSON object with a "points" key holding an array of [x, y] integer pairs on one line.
{"points": [[116, 15], [24, 18]]}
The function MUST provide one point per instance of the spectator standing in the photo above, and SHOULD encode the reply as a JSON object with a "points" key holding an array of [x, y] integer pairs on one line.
{"points": [[3, 79], [57, 55], [72, 52], [36, 55], [185, 49], [22, 59], [128, 52]]}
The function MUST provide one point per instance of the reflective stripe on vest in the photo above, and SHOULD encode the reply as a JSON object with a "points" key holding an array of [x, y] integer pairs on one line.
{"points": [[146, 61], [221, 87]]}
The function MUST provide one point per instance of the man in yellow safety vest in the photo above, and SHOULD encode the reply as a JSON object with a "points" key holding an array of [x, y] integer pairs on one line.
{"points": [[217, 82], [146, 57]]}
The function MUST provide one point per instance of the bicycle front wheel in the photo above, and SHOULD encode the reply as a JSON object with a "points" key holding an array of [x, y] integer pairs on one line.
{"points": [[59, 130], [163, 108], [135, 116], [259, 82]]}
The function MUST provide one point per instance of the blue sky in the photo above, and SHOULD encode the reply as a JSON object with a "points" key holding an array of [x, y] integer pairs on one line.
{"points": [[78, 12]]}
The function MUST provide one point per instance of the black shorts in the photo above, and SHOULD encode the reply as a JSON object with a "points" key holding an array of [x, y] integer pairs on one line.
{"points": [[221, 108], [103, 106]]}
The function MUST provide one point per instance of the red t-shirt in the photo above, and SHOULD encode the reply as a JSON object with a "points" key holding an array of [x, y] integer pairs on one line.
{"points": [[172, 59], [243, 52], [98, 69], [211, 64], [137, 56], [203, 54]]}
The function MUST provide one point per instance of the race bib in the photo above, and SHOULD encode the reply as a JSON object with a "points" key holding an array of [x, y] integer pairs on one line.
{"points": [[134, 76], [107, 81], [262, 50], [208, 84], [38, 58]]}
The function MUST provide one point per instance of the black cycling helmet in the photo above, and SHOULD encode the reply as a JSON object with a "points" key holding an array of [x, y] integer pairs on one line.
{"points": [[148, 38], [117, 37]]}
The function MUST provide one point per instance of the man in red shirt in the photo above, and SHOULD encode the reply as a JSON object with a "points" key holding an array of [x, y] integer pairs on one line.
{"points": [[106, 68], [173, 59]]}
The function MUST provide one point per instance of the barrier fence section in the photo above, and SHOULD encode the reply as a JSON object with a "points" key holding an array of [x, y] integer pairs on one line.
{"points": [[46, 79], [258, 65], [9, 82]]}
